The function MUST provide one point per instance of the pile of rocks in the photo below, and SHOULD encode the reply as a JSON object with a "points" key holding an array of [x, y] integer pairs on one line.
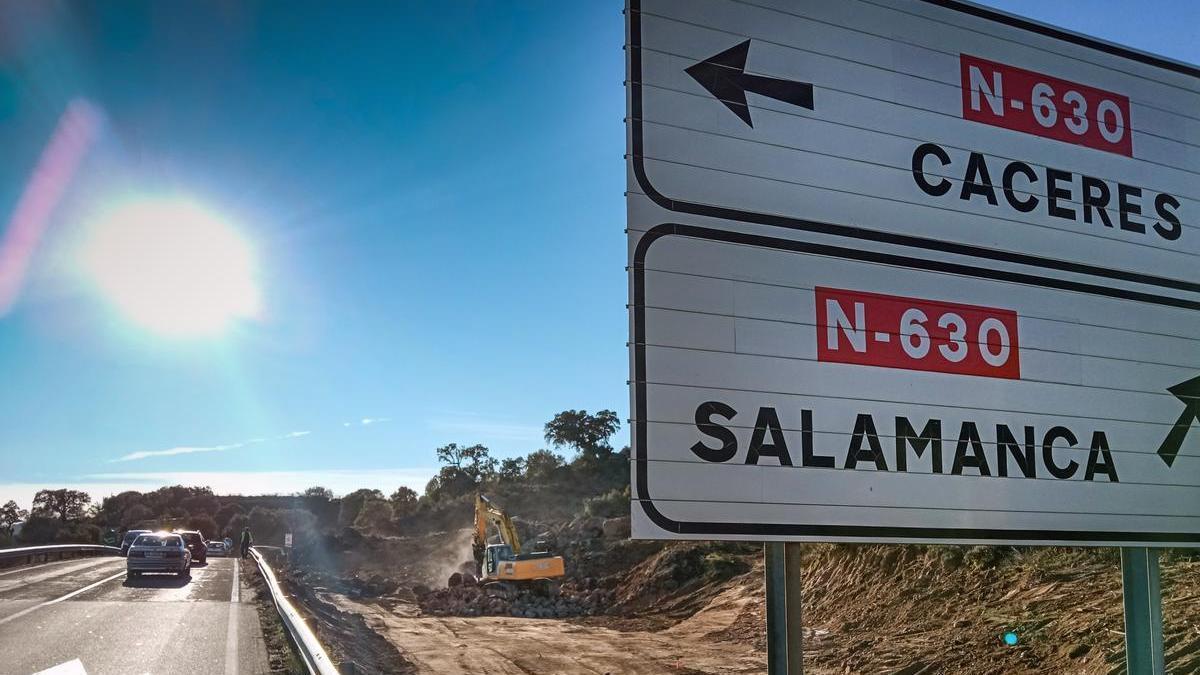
{"points": [[356, 586], [468, 600]]}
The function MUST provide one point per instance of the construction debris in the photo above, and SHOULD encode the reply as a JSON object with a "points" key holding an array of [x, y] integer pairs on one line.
{"points": [[573, 599]]}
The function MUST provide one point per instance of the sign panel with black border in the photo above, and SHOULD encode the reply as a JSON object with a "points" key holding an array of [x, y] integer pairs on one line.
{"points": [[909, 271]]}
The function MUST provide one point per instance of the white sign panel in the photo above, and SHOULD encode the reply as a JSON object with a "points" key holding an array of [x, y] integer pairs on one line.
{"points": [[910, 270], [287, 540]]}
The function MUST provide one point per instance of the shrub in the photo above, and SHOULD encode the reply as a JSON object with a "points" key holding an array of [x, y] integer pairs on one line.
{"points": [[612, 504]]}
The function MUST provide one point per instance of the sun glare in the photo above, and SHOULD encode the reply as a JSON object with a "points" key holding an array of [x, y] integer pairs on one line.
{"points": [[173, 267]]}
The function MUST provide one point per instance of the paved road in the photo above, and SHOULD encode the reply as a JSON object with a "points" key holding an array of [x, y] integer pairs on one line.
{"points": [[86, 610]]}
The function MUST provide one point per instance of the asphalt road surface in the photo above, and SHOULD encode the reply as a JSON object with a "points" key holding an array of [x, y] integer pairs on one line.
{"points": [[84, 616]]}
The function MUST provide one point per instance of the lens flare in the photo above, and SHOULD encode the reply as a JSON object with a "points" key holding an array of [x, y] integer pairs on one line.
{"points": [[173, 267]]}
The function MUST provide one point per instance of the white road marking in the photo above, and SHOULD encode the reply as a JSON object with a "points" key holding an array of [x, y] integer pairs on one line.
{"points": [[72, 667], [235, 591], [231, 632], [68, 596]]}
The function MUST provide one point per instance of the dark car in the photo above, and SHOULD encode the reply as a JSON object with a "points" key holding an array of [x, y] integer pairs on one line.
{"points": [[127, 540], [195, 543]]}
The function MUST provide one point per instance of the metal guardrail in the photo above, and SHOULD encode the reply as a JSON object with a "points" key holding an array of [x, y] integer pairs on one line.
{"points": [[310, 649], [31, 552]]}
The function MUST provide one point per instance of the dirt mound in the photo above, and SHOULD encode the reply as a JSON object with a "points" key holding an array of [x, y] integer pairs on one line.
{"points": [[916, 609], [572, 600]]}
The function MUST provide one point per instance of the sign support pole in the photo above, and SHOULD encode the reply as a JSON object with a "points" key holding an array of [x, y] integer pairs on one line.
{"points": [[774, 560], [1143, 611], [793, 587], [784, 628]]}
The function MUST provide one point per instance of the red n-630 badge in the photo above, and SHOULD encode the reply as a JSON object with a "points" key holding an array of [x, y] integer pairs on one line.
{"points": [[890, 331], [1022, 100]]}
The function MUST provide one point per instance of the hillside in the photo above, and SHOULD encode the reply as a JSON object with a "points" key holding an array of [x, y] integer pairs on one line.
{"points": [[698, 607]]}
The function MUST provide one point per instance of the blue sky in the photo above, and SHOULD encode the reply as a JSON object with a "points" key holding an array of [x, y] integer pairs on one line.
{"points": [[435, 195]]}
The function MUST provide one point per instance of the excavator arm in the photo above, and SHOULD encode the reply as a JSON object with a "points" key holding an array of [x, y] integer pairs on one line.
{"points": [[487, 512]]}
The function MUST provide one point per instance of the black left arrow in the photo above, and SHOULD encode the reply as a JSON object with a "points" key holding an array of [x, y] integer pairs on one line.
{"points": [[725, 77]]}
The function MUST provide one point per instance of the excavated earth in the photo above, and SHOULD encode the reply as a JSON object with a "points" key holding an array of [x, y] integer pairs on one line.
{"points": [[650, 607]]}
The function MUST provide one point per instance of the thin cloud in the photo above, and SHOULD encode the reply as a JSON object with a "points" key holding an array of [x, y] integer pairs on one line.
{"points": [[366, 422], [192, 449], [181, 450]]}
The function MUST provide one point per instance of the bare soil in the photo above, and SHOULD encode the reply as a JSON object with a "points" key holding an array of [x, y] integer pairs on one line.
{"points": [[507, 645], [699, 608]]}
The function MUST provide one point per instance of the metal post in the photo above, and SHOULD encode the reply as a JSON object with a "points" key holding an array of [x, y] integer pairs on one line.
{"points": [[1143, 611], [784, 626], [775, 559], [795, 633]]}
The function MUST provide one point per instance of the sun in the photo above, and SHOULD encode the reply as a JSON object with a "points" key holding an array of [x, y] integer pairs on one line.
{"points": [[173, 267]]}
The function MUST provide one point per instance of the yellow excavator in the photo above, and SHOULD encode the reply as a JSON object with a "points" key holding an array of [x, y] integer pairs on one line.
{"points": [[504, 564]]}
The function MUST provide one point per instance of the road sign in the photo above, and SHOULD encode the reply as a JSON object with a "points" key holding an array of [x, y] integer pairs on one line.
{"points": [[287, 540], [908, 270]]}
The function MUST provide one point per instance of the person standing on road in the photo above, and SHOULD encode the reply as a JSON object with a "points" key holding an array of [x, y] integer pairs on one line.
{"points": [[246, 542]]}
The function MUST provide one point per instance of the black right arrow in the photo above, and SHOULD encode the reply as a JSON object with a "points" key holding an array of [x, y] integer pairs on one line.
{"points": [[725, 77], [1189, 393]]}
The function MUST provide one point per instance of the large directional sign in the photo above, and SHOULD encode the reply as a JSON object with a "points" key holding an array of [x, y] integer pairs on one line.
{"points": [[909, 270]]}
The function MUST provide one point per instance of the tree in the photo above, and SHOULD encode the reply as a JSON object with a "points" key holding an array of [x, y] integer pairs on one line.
{"points": [[233, 529], [587, 434], [542, 465], [449, 483], [266, 525], [201, 504], [353, 503], [404, 501], [114, 507], [204, 524], [433, 486], [375, 515], [318, 491], [473, 460], [10, 515], [137, 516], [39, 529], [226, 513], [512, 469], [173, 517], [62, 504]]}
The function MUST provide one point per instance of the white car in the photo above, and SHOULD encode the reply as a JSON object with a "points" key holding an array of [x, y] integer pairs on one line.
{"points": [[158, 552], [217, 547]]}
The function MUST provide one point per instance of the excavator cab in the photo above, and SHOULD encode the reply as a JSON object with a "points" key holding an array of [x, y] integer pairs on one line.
{"points": [[493, 557]]}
